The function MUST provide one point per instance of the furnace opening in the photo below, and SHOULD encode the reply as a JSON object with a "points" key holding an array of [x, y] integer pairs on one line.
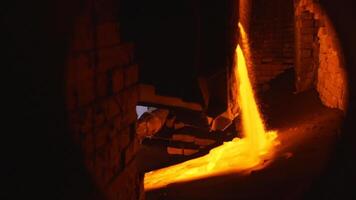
{"points": [[186, 96]]}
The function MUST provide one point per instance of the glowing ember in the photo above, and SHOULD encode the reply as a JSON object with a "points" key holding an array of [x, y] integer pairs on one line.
{"points": [[237, 155]]}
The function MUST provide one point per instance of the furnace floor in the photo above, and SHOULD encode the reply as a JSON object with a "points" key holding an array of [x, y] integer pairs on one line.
{"points": [[307, 131]]}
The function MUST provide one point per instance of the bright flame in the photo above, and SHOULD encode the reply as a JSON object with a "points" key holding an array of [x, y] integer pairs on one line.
{"points": [[237, 155]]}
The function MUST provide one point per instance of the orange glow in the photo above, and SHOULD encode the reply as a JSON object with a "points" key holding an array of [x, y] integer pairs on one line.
{"points": [[238, 155]]}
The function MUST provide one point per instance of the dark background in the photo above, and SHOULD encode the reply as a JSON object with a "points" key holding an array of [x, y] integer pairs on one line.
{"points": [[177, 42]]}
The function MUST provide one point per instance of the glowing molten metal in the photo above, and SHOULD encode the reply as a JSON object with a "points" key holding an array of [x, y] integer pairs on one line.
{"points": [[234, 156]]}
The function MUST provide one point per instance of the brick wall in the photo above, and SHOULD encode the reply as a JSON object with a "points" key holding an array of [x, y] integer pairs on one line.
{"points": [[102, 93], [272, 38], [306, 50], [319, 57]]}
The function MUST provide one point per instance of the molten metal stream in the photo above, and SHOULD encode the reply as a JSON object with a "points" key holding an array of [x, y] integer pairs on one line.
{"points": [[237, 155]]}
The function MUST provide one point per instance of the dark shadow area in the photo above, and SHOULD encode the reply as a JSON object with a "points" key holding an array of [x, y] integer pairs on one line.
{"points": [[38, 158], [178, 42]]}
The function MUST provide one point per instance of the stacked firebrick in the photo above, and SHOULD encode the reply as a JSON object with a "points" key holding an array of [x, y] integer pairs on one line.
{"points": [[102, 94], [319, 55]]}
